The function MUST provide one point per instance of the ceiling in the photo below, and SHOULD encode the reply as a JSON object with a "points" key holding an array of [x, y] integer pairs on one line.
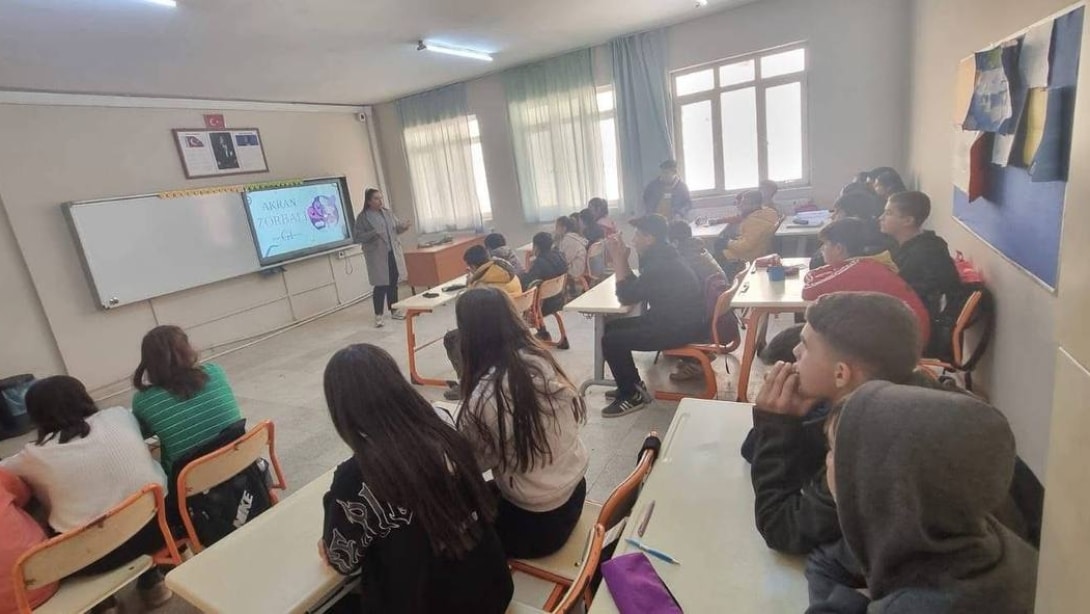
{"points": [[318, 51]]}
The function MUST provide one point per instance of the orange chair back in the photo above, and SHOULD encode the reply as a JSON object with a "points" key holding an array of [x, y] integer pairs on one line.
{"points": [[587, 568], [550, 288], [217, 467], [65, 554], [723, 304], [526, 301], [620, 502]]}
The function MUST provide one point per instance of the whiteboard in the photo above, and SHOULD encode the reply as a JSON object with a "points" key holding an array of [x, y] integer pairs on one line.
{"points": [[138, 247]]}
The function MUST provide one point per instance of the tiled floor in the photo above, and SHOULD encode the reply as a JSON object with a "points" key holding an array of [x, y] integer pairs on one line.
{"points": [[280, 379]]}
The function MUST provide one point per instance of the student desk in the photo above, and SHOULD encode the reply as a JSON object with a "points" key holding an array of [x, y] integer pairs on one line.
{"points": [[269, 565], [413, 307], [526, 252], [600, 302], [763, 298], [703, 516], [429, 266]]}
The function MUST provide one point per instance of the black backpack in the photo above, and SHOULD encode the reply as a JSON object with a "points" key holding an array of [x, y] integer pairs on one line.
{"points": [[220, 510]]}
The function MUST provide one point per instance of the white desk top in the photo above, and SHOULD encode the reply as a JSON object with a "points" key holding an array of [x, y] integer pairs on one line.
{"points": [[600, 299], [703, 516], [269, 565], [757, 291], [787, 229], [419, 302]]}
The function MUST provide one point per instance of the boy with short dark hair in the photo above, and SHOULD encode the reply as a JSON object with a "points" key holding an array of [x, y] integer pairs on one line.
{"points": [[496, 244], [922, 257], [749, 236]]}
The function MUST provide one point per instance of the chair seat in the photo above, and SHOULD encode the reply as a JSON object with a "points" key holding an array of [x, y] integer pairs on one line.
{"points": [[564, 563], [532, 590], [521, 608], [79, 594]]}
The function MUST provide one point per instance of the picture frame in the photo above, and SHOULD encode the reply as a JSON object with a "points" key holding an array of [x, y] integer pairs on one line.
{"points": [[220, 152]]}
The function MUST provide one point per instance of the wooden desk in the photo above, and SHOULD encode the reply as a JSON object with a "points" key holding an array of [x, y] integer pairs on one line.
{"points": [[430, 266], [703, 516], [419, 304], [600, 302], [269, 565], [763, 298]]}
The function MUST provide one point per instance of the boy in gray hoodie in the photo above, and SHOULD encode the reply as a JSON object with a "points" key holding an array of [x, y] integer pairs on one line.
{"points": [[915, 474]]}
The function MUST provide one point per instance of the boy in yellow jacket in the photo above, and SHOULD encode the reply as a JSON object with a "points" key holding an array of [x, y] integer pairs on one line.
{"points": [[750, 237]]}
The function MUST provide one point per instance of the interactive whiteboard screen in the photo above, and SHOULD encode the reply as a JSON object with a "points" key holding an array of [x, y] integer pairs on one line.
{"points": [[295, 221]]}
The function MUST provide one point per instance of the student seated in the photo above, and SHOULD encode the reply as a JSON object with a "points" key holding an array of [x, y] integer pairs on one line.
{"points": [[590, 228], [522, 419], [748, 238], [496, 244], [548, 263], [915, 475], [20, 533], [849, 338], [886, 183], [183, 403], [85, 462], [485, 270], [703, 264], [922, 257], [674, 314], [409, 511], [572, 246], [862, 205], [849, 268], [600, 208], [768, 189]]}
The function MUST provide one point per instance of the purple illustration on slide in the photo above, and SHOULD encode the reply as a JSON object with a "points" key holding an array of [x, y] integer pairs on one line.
{"points": [[324, 212]]}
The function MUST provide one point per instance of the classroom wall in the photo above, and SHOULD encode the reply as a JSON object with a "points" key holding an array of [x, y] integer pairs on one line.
{"points": [[858, 90], [1018, 370], [53, 154]]}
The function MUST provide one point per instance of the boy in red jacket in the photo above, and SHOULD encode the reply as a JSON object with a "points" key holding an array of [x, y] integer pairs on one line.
{"points": [[847, 269]]}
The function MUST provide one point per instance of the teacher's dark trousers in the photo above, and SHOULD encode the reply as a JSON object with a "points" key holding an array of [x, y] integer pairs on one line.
{"points": [[387, 294]]}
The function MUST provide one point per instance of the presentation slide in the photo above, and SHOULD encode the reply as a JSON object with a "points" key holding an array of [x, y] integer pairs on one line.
{"points": [[293, 221]]}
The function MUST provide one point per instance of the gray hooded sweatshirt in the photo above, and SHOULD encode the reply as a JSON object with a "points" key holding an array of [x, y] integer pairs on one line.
{"points": [[917, 475]]}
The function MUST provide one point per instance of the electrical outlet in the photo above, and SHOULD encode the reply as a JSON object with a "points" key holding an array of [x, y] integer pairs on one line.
{"points": [[341, 255]]}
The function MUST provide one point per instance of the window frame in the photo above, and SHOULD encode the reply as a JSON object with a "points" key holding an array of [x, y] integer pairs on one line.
{"points": [[611, 116], [761, 86]]}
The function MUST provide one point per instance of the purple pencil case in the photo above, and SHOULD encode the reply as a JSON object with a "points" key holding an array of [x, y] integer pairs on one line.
{"points": [[636, 587]]}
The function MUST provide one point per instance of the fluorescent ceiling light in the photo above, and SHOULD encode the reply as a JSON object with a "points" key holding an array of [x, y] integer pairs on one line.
{"points": [[171, 3], [458, 51], [700, 3]]}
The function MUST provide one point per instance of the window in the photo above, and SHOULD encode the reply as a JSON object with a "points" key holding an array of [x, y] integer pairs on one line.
{"points": [[743, 120], [480, 178], [443, 188], [608, 124]]}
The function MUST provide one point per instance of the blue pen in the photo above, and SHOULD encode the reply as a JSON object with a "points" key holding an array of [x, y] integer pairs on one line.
{"points": [[658, 554]]}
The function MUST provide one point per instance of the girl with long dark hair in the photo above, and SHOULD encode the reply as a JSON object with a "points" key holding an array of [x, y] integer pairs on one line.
{"points": [[377, 230], [410, 509], [522, 417], [184, 403], [84, 462]]}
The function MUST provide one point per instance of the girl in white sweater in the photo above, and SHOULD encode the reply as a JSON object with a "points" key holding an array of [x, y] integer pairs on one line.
{"points": [[522, 418], [83, 463]]}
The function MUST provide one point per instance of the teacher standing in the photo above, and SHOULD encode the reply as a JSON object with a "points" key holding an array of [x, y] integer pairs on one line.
{"points": [[377, 230]]}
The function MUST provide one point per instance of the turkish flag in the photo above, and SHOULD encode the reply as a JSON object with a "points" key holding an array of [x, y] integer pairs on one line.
{"points": [[214, 121]]}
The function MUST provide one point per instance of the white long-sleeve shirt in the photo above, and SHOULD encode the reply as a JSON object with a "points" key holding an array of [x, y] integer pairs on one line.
{"points": [[574, 249], [81, 479]]}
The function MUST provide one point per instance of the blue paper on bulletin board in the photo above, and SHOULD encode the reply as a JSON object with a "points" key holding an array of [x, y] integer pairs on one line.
{"points": [[1026, 227]]}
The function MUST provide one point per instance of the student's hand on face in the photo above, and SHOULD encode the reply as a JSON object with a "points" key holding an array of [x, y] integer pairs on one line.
{"points": [[780, 393], [618, 251]]}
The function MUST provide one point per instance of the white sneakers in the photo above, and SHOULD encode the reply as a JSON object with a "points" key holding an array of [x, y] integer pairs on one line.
{"points": [[379, 320], [397, 315]]}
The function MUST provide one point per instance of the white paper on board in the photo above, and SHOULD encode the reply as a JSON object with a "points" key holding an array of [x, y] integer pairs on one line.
{"points": [[1033, 59]]}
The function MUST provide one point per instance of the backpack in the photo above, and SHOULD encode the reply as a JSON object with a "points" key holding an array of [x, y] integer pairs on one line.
{"points": [[727, 324], [940, 345], [220, 510]]}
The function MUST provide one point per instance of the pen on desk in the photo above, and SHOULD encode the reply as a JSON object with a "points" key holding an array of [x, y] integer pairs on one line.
{"points": [[658, 554], [646, 519]]}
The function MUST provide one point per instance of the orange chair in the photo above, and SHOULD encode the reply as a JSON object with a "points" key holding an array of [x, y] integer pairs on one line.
{"points": [[594, 250], [545, 291], [972, 313], [56, 559], [217, 467], [578, 591], [701, 351], [526, 302], [563, 567]]}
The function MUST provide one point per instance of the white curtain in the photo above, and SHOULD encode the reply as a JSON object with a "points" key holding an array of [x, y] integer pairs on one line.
{"points": [[553, 109], [435, 127]]}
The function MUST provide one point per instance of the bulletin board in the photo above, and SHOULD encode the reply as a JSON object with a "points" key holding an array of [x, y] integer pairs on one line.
{"points": [[1012, 127], [218, 152]]}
